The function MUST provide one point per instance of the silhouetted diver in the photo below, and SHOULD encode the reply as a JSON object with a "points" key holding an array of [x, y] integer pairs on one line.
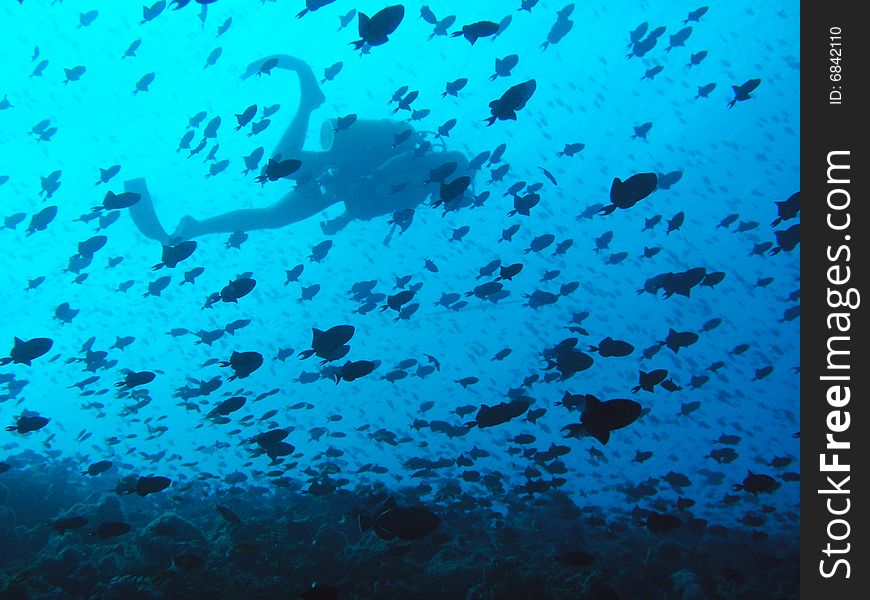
{"points": [[359, 166]]}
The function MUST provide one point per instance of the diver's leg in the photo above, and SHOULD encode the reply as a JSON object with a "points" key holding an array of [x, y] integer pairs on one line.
{"points": [[310, 98], [143, 212], [297, 205]]}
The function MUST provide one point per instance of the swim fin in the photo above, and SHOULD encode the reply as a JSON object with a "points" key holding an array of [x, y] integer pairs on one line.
{"points": [[143, 214]]}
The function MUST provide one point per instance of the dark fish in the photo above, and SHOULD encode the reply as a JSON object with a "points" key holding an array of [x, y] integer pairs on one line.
{"points": [[679, 38], [524, 204], [652, 72], [666, 180], [600, 418], [762, 373], [343, 123], [149, 13], [696, 14], [679, 339], [275, 170], [539, 298], [232, 328], [224, 27], [98, 467], [647, 381], [444, 128], [498, 414], [661, 523], [374, 31], [549, 176], [190, 276], [246, 116], [396, 301], [212, 57], [172, 255], [236, 289], [504, 65], [243, 364], [86, 18], [324, 343], [107, 174], [65, 524], [407, 523], [353, 370], [787, 209], [311, 6], [134, 379], [571, 149], [625, 194], [742, 92], [642, 456], [74, 73], [12, 221], [131, 49], [756, 484], [41, 220], [675, 222], [454, 87], [23, 352], [28, 424], [560, 28], [696, 58], [452, 191], [319, 251], [566, 359], [786, 239], [143, 83], [704, 90], [610, 347], [330, 72], [475, 31], [514, 99], [640, 131]]}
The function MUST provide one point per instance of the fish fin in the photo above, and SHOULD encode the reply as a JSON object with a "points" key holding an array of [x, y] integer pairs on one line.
{"points": [[602, 435]]}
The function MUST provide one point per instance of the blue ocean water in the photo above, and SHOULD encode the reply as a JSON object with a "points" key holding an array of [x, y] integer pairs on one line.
{"points": [[512, 509]]}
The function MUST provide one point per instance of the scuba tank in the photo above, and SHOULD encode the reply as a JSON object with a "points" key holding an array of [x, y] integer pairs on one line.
{"points": [[366, 144]]}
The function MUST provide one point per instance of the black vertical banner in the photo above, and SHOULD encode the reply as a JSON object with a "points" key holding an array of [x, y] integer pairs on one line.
{"points": [[834, 340]]}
